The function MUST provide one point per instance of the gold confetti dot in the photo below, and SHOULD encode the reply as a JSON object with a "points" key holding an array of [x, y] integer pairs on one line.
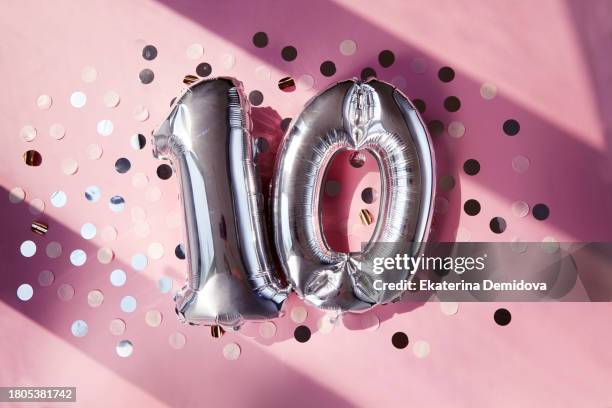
{"points": [[105, 255], [456, 129], [44, 102], [267, 330], [177, 340], [111, 99], [449, 308], [299, 314], [69, 166], [95, 298], [117, 327], [195, 51], [348, 47], [153, 318], [94, 151], [488, 90], [520, 209], [421, 349], [16, 195], [37, 206]]}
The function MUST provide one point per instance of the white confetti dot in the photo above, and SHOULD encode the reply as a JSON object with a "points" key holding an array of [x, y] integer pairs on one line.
{"points": [[488, 90], [54, 249], [520, 164], [267, 330], [299, 314], [155, 250], [456, 129], [348, 47], [231, 351], [88, 230], [140, 180], [463, 234], [153, 194], [105, 255], [449, 308], [105, 127], [116, 327], [142, 229], [111, 99], [139, 262], [16, 195], [550, 245], [69, 166], [46, 278], [57, 131], [78, 257], [79, 328], [95, 298], [195, 51], [140, 113], [518, 245], [109, 233], [78, 99], [305, 82], [44, 102], [418, 65], [65, 292], [124, 348], [520, 209], [262, 73], [421, 349], [138, 214], [28, 248], [59, 199], [28, 133], [118, 277], [177, 340], [89, 74], [36, 206], [228, 61], [25, 292], [94, 151], [153, 318], [128, 304]]}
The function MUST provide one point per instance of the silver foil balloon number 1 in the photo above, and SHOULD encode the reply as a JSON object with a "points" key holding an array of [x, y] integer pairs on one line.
{"points": [[231, 273]]}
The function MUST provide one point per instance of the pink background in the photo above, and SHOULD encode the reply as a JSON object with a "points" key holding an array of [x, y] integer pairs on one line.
{"points": [[553, 72]]}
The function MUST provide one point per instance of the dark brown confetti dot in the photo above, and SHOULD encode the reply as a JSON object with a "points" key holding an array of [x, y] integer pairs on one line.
{"points": [[302, 334], [511, 127], [260, 39], [452, 104], [419, 104], [471, 167], [289, 53], [164, 171], [32, 158], [146, 76], [204, 69], [446, 74], [435, 127], [471, 207], [399, 340], [286, 84], [368, 195], [328, 68], [357, 159], [256, 98], [386, 58], [122, 165], [367, 73], [179, 251], [502, 317], [540, 212], [149, 52], [497, 225], [284, 125]]}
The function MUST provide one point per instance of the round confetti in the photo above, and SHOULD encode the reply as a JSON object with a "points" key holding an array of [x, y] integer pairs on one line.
{"points": [[540, 212], [421, 349], [138, 141], [111, 99], [118, 277], [386, 58], [399, 340], [367, 73], [122, 165], [231, 351], [256, 98], [164, 284], [25, 292], [179, 251], [262, 73], [435, 127], [502, 317], [463, 234], [140, 180], [299, 314], [45, 278], [332, 188], [146, 76], [289, 53], [116, 327], [203, 69], [452, 104], [54, 249], [446, 74], [105, 255], [59, 199], [128, 304], [305, 82], [153, 318], [95, 298], [79, 328], [228, 61], [78, 257], [164, 171], [449, 308], [32, 158], [328, 68], [471, 207], [511, 127], [28, 133], [267, 330], [124, 348], [116, 203], [69, 166], [441, 205], [520, 164], [65, 292], [418, 65], [284, 125], [109, 234], [471, 167], [92, 193], [488, 91], [88, 230], [520, 209], [138, 214], [369, 195], [89, 74], [149, 52], [36, 206], [177, 340], [260, 39], [44, 102], [94, 151], [497, 225], [153, 194], [302, 334], [550, 245], [139, 262], [357, 159], [399, 81], [456, 129], [140, 113], [348, 47], [446, 183], [105, 127], [57, 131], [78, 99], [326, 323], [195, 51], [28, 248], [155, 250], [419, 104], [518, 245], [16, 195]]}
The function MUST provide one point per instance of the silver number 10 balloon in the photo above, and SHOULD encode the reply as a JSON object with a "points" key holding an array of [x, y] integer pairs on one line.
{"points": [[352, 115], [231, 273]]}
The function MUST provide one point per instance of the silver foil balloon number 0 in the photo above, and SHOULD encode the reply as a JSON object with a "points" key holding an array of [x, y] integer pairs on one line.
{"points": [[231, 274], [352, 115]]}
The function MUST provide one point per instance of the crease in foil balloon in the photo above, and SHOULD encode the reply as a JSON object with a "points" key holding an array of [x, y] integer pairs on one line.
{"points": [[231, 277], [352, 115]]}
